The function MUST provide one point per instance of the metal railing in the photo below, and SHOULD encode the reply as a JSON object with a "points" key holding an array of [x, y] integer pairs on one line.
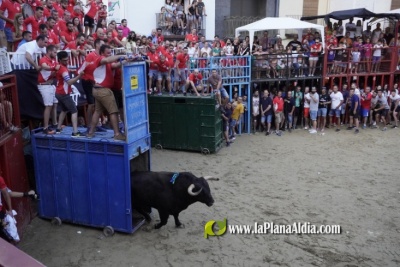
{"points": [[17, 61], [173, 25], [235, 72], [233, 22]]}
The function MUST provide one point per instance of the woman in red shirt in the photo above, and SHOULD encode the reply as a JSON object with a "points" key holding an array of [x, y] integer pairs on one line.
{"points": [[17, 30], [315, 50], [77, 25]]}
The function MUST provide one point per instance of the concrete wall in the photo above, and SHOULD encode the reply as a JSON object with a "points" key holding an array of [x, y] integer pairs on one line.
{"points": [[223, 8]]}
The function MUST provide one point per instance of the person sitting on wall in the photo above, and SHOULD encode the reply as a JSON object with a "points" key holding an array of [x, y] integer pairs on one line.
{"points": [[7, 213]]}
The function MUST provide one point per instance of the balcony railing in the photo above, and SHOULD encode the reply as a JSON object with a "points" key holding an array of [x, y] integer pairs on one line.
{"points": [[175, 25]]}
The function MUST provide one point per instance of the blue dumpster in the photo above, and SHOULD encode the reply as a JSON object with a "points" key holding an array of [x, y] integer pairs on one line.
{"points": [[87, 181]]}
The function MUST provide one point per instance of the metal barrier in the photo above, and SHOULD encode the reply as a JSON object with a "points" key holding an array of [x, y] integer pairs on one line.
{"points": [[235, 72], [17, 61]]}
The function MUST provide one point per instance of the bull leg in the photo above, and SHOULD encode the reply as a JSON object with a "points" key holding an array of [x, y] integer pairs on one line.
{"points": [[177, 222], [145, 214], [164, 219]]}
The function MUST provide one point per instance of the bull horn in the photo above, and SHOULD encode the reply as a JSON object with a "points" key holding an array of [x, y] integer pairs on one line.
{"points": [[211, 178], [190, 190]]}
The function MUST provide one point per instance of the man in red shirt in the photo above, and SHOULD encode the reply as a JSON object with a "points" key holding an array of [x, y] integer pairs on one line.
{"points": [[63, 91], [8, 9], [90, 15], [104, 98], [160, 37], [182, 59], [278, 108], [192, 37], [195, 81], [68, 36], [87, 79], [164, 72], [102, 13], [32, 23], [47, 9], [77, 47], [62, 23], [366, 98], [100, 34], [46, 88], [153, 58], [53, 37]]}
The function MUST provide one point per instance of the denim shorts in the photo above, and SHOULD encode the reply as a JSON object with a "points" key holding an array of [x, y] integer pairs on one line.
{"points": [[322, 112], [313, 114], [267, 118], [335, 112]]}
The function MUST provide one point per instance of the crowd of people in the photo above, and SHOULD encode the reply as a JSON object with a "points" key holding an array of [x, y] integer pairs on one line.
{"points": [[357, 108], [176, 19]]}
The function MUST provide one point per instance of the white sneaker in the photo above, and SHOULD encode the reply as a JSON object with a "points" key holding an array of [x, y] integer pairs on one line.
{"points": [[306, 128], [313, 131]]}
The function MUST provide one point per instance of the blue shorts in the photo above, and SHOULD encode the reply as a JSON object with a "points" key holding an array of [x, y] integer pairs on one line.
{"points": [[376, 59], [335, 112], [313, 115], [343, 110], [232, 123], [322, 112], [267, 118], [8, 33], [364, 112]]}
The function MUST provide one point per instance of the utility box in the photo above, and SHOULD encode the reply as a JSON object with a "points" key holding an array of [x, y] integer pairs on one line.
{"points": [[185, 123]]}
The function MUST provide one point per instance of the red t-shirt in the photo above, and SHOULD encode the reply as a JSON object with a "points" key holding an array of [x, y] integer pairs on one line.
{"points": [[69, 36], [183, 59], [160, 38], [46, 12], [10, 9], [53, 38], [45, 75], [92, 10], [32, 24], [103, 74], [62, 87], [195, 78], [191, 38], [279, 102], [316, 46], [366, 103], [90, 66], [155, 58], [117, 86], [102, 14], [72, 46], [62, 25], [164, 66]]}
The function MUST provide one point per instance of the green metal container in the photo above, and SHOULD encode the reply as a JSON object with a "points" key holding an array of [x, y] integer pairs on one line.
{"points": [[185, 123]]}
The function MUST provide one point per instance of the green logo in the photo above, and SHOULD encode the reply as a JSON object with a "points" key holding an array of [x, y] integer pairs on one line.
{"points": [[208, 228]]}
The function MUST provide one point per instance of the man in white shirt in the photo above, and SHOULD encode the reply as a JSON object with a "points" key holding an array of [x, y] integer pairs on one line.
{"points": [[24, 57], [314, 101], [307, 99], [336, 106], [255, 109], [395, 107], [351, 28]]}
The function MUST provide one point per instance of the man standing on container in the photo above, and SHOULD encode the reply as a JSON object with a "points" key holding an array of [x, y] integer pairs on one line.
{"points": [[46, 88], [182, 59], [63, 91], [215, 81], [104, 98]]}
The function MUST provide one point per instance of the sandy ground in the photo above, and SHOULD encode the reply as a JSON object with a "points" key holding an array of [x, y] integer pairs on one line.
{"points": [[339, 178]]}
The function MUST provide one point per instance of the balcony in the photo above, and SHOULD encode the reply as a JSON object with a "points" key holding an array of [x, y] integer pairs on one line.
{"points": [[172, 26]]}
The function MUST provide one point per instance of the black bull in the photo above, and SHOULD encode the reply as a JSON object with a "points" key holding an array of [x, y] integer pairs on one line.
{"points": [[169, 193]]}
